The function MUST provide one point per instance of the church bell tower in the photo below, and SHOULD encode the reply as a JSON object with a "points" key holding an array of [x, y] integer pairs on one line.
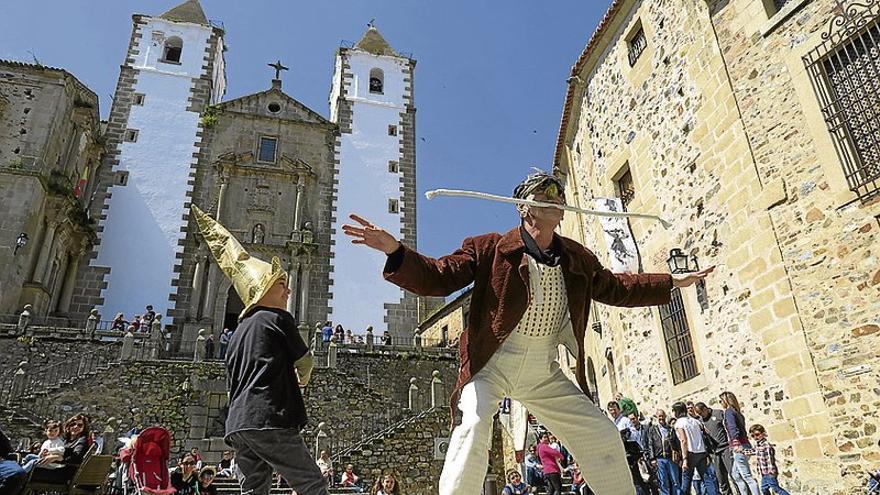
{"points": [[173, 70], [372, 101]]}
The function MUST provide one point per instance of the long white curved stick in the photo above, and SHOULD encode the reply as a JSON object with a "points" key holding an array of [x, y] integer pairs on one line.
{"points": [[516, 201]]}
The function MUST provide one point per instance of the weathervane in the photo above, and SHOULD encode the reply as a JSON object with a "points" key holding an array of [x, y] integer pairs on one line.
{"points": [[278, 68]]}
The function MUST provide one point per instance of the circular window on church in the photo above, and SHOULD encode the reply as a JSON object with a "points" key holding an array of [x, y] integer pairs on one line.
{"points": [[274, 107]]}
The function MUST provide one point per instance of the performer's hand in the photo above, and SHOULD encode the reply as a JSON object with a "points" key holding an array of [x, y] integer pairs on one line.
{"points": [[371, 235], [688, 279]]}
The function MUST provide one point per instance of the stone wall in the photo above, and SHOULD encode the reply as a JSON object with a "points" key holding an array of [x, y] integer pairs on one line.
{"points": [[717, 125], [390, 374]]}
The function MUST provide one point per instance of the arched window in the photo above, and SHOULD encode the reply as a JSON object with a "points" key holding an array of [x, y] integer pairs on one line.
{"points": [[258, 235], [377, 81], [172, 50]]}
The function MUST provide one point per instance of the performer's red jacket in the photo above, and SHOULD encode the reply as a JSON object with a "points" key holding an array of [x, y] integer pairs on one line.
{"points": [[498, 267]]}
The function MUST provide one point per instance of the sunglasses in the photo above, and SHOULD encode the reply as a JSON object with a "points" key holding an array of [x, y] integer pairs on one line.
{"points": [[187, 463], [77, 425]]}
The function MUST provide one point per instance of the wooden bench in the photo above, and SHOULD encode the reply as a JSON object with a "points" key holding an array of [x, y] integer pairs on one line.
{"points": [[89, 476]]}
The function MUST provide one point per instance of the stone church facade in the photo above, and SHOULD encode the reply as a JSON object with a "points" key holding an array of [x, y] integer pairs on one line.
{"points": [[750, 125], [50, 153], [265, 171]]}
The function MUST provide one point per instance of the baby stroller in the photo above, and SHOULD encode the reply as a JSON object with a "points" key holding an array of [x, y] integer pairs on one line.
{"points": [[143, 464]]}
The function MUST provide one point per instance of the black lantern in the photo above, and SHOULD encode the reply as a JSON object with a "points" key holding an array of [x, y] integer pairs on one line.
{"points": [[20, 242], [678, 261]]}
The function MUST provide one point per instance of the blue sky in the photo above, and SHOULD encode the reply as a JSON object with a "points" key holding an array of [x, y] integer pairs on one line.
{"points": [[489, 84]]}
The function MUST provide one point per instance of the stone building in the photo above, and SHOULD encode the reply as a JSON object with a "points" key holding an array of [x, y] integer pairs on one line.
{"points": [[265, 171], [173, 70], [372, 100], [752, 127], [50, 152], [445, 324]]}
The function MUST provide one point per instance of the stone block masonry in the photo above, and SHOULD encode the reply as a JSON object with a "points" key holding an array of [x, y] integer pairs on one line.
{"points": [[719, 128]]}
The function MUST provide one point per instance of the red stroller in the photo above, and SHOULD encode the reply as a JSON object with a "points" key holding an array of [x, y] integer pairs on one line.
{"points": [[145, 463]]}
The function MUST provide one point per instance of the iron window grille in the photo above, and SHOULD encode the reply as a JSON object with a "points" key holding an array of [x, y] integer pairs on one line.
{"points": [[677, 337], [626, 189], [845, 72], [637, 45]]}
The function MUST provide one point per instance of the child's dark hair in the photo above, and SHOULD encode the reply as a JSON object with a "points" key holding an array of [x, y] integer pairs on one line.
{"points": [[758, 428], [51, 424]]}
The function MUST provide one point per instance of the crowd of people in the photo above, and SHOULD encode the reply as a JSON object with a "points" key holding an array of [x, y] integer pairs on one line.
{"points": [[383, 485], [142, 323], [697, 448], [325, 333]]}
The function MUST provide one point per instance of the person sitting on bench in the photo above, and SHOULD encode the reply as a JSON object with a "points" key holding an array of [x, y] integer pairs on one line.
{"points": [[76, 445]]}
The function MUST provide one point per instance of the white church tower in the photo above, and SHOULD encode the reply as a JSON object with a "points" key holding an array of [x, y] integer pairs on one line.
{"points": [[372, 102], [173, 70]]}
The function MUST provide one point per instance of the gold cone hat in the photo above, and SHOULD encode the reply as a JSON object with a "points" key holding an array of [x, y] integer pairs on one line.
{"points": [[251, 277]]}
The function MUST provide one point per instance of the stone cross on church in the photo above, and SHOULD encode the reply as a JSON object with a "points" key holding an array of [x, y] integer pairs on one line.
{"points": [[278, 68]]}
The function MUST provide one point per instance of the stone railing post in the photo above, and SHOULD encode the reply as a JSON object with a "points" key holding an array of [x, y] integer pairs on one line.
{"points": [[322, 440], [437, 398], [127, 347], [109, 435], [92, 323], [417, 342], [413, 394], [331, 354], [369, 339], [24, 320], [19, 379], [304, 334]]}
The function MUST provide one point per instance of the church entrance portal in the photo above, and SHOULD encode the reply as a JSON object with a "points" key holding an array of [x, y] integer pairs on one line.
{"points": [[234, 307]]}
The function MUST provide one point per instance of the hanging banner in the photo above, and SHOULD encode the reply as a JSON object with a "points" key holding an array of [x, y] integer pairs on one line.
{"points": [[622, 251]]}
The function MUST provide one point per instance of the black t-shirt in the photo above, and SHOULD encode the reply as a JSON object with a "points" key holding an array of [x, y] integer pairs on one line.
{"points": [[5, 445], [715, 428], [207, 490], [263, 389], [188, 487]]}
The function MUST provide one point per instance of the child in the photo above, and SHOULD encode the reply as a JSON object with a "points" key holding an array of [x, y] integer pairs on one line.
{"points": [[766, 456], [54, 445]]}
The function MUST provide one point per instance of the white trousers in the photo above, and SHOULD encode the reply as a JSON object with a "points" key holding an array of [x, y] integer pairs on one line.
{"points": [[525, 369]]}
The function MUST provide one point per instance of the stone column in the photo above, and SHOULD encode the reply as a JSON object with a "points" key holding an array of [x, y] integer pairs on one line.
{"points": [[24, 320], [331, 354], [45, 250], [92, 323], [292, 277], [417, 342], [69, 282], [208, 303], [369, 339], [127, 347], [304, 295], [198, 281], [437, 398], [221, 196], [300, 192], [321, 439], [413, 394]]}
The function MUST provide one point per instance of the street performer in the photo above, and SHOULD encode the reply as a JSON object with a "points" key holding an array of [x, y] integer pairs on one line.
{"points": [[530, 286], [266, 364]]}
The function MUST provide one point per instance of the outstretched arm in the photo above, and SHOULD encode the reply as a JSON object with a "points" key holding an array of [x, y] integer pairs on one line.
{"points": [[412, 271]]}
